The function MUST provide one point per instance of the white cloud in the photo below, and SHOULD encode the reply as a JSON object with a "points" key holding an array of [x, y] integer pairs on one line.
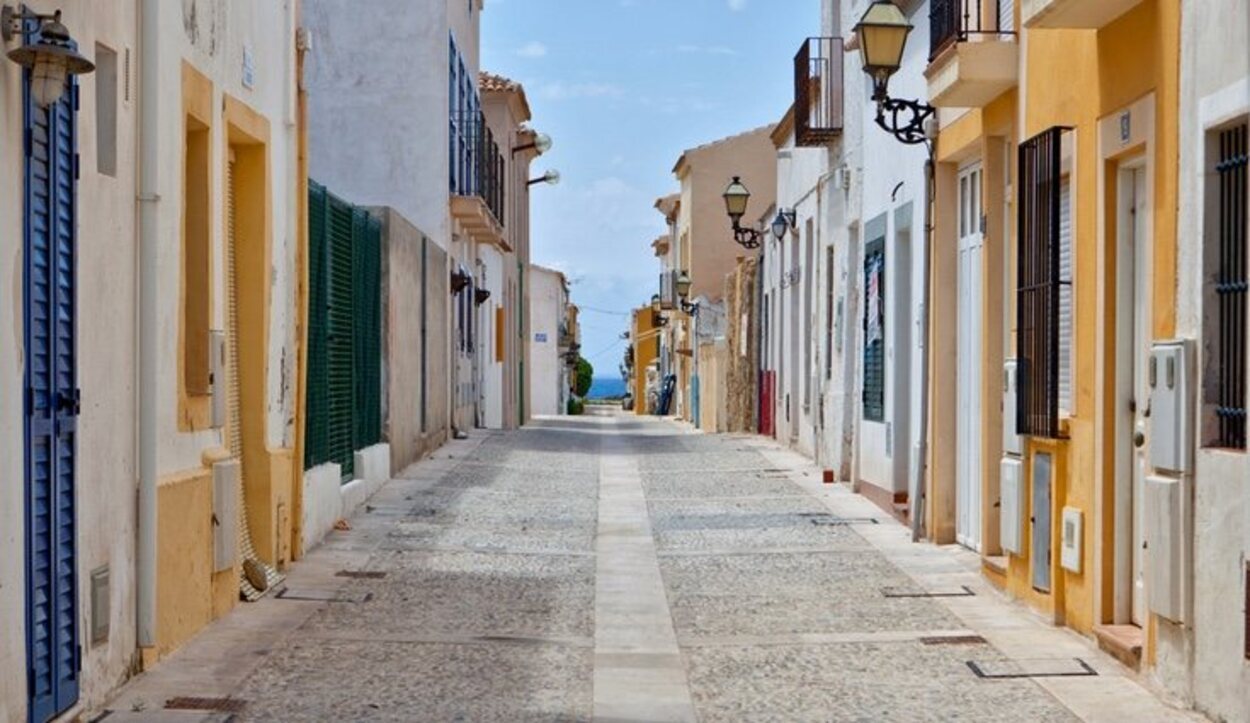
{"points": [[559, 90], [532, 49], [737, 5]]}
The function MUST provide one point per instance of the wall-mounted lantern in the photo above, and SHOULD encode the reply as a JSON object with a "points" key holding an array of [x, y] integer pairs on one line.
{"points": [[551, 178], [683, 284], [736, 198], [459, 280], [655, 304], [50, 59], [541, 144], [784, 221], [882, 34], [480, 296]]}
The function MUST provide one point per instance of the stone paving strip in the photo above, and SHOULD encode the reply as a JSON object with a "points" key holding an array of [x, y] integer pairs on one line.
{"points": [[622, 569]]}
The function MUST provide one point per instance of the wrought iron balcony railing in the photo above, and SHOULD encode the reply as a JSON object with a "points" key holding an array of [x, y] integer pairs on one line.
{"points": [[818, 91], [955, 21], [477, 164]]}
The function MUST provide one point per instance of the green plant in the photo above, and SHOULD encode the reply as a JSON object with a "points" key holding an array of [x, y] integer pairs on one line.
{"points": [[585, 375], [576, 406]]}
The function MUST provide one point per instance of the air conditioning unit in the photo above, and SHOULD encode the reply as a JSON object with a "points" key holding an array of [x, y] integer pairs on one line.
{"points": [[1011, 509], [1012, 443], [225, 514], [1070, 550], [1165, 587]]}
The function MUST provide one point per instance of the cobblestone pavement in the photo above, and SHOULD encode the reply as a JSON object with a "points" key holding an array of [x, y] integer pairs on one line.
{"points": [[611, 568]]}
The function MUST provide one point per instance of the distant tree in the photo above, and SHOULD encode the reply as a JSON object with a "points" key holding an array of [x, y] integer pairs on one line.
{"points": [[585, 374]]}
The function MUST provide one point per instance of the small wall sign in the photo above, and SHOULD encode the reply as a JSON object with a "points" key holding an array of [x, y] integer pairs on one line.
{"points": [[249, 68], [1126, 126], [540, 337]]}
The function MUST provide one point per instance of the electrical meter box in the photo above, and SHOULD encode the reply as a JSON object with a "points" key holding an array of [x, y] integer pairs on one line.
{"points": [[1012, 443], [1171, 420]]}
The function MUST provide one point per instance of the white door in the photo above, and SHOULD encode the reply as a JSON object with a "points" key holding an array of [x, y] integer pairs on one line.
{"points": [[970, 289]]}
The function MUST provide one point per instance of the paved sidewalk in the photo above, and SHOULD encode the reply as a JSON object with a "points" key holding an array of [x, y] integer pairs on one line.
{"points": [[613, 568]]}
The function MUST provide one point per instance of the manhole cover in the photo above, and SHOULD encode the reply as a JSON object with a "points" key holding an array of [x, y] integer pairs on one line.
{"points": [[220, 705], [324, 596]]}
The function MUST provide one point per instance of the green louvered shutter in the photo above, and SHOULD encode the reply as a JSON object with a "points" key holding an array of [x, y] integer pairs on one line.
{"points": [[317, 401], [368, 337], [339, 345]]}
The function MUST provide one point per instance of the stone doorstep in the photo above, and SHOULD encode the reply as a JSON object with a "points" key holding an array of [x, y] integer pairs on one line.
{"points": [[1123, 642]]}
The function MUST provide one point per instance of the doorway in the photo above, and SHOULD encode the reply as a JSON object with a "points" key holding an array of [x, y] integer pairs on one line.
{"points": [[52, 402], [970, 292], [1133, 248]]}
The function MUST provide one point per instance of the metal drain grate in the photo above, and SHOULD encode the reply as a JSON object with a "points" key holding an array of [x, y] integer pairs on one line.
{"points": [[822, 519], [323, 596], [361, 574], [961, 591], [217, 705], [953, 640], [1032, 668]]}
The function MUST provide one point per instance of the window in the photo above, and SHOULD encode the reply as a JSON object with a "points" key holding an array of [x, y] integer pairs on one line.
{"points": [[106, 110], [1067, 328], [874, 330], [196, 265], [1042, 286], [1224, 290], [809, 282]]}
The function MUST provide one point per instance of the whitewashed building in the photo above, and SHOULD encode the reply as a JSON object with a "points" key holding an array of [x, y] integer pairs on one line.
{"points": [[549, 341]]}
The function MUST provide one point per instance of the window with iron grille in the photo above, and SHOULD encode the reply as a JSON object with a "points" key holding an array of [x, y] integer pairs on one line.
{"points": [[1224, 292], [874, 330], [1042, 284], [829, 265]]}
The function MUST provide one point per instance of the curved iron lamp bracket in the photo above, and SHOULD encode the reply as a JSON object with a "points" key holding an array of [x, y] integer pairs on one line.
{"points": [[904, 119], [747, 238]]}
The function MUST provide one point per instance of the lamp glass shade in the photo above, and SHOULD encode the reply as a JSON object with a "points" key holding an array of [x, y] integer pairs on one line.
{"points": [[683, 284], [542, 143], [780, 226], [736, 198], [47, 78], [551, 177], [882, 34]]}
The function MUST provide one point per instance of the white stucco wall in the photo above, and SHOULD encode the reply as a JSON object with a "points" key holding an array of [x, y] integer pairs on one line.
{"points": [[1204, 662], [106, 287], [546, 310]]}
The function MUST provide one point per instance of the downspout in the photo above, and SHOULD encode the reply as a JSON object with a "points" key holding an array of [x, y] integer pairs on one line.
{"points": [[300, 41], [918, 483], [149, 158]]}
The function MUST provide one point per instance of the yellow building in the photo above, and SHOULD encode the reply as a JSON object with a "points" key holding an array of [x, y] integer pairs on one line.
{"points": [[1055, 215], [645, 338]]}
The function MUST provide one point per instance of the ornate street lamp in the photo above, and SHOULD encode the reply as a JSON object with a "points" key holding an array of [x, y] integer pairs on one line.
{"points": [[783, 222], [50, 59], [882, 34], [736, 198]]}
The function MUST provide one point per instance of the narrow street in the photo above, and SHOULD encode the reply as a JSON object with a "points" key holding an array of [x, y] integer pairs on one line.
{"points": [[615, 568]]}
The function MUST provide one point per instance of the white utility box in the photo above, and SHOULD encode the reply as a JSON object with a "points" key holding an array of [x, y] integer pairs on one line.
{"points": [[1011, 509], [1165, 545], [1171, 423], [1070, 550], [1012, 442]]}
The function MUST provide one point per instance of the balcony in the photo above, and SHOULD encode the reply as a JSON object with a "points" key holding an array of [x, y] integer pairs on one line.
{"points": [[818, 92], [973, 55], [477, 181], [1087, 14]]}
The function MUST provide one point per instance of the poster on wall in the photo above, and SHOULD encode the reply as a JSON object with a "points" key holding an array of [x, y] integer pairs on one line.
{"points": [[874, 312]]}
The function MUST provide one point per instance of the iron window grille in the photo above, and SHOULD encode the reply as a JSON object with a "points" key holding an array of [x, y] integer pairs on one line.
{"points": [[955, 21], [1224, 388], [1040, 284], [874, 331], [818, 92]]}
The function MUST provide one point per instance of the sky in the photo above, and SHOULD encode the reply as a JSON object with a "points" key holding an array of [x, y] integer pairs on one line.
{"points": [[623, 87]]}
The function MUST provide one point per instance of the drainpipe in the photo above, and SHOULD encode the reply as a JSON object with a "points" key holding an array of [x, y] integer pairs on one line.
{"points": [[918, 483], [149, 156]]}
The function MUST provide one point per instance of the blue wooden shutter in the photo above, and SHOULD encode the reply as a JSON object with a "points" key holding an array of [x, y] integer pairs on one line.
{"points": [[51, 405]]}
